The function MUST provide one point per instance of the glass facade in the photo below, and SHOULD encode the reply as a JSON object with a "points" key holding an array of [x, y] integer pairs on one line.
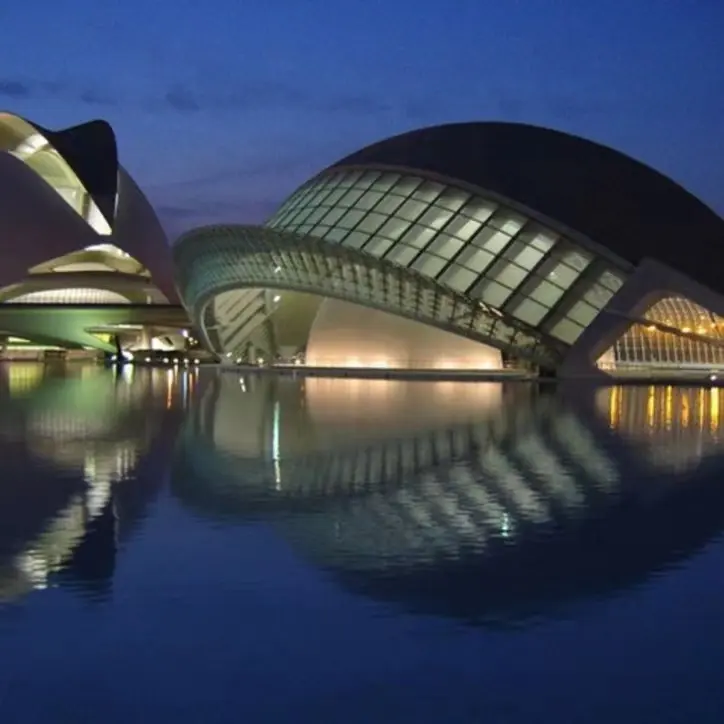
{"points": [[466, 242], [72, 295], [681, 334]]}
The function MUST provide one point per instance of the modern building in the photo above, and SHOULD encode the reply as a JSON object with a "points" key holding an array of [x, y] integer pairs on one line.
{"points": [[469, 246], [78, 237]]}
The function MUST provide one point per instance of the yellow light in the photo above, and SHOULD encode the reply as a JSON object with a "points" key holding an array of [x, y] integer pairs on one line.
{"points": [[651, 328], [686, 330]]}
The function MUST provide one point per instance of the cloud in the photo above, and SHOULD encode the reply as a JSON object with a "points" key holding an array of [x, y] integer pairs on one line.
{"points": [[244, 97]]}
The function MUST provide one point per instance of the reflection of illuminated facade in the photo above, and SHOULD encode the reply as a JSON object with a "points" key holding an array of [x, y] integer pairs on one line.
{"points": [[78, 442], [467, 246], [77, 230], [528, 483]]}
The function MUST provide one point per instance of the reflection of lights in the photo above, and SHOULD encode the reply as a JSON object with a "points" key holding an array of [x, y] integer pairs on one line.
{"points": [[242, 384], [275, 444]]}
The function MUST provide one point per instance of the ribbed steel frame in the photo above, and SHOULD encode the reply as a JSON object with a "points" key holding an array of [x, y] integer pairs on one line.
{"points": [[215, 259]]}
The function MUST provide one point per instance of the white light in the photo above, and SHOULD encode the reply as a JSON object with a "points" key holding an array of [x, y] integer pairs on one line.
{"points": [[260, 360], [196, 362], [228, 354], [184, 333], [277, 297], [186, 362], [712, 377], [277, 269], [238, 361], [148, 359], [165, 360]]}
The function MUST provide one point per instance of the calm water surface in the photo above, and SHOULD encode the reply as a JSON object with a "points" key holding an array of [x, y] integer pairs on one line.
{"points": [[198, 547]]}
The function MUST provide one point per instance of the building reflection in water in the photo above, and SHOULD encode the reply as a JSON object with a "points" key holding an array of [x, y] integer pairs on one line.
{"points": [[487, 502], [83, 452]]}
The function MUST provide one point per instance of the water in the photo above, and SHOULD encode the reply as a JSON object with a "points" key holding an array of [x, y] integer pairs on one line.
{"points": [[198, 547]]}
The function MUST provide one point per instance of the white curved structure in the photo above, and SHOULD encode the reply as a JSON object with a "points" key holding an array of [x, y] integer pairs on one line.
{"points": [[74, 226]]}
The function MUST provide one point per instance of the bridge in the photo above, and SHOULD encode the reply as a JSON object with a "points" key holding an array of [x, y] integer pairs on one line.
{"points": [[78, 325]]}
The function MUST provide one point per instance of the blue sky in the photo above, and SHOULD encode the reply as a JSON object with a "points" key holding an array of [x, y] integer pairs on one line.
{"points": [[221, 108]]}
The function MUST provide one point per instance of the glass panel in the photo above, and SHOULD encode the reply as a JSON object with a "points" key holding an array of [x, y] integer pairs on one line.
{"points": [[350, 198], [452, 199], [546, 293], [576, 258], [529, 311], [523, 255], [402, 254], [475, 259], [509, 274], [411, 209], [394, 228], [418, 236], [479, 209], [507, 221], [458, 278], [462, 227], [369, 199], [494, 294], [445, 246], [349, 178], [435, 217], [335, 196], [390, 204], [386, 181], [563, 275], [428, 191], [367, 179], [355, 240], [406, 185], [335, 234], [566, 330], [378, 246], [582, 313], [372, 222], [429, 264], [598, 296], [611, 281], [491, 239], [351, 218]]}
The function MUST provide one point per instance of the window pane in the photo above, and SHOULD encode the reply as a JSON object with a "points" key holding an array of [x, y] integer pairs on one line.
{"points": [[494, 294], [372, 222], [598, 296], [511, 275], [507, 221], [611, 281], [386, 181], [429, 264], [479, 209], [452, 199], [351, 218], [491, 239], [336, 234], [394, 228], [475, 259], [529, 311], [406, 185], [369, 199], [349, 177], [350, 198], [367, 179], [418, 236], [458, 278], [411, 209], [355, 240], [428, 191], [401, 254], [576, 258], [582, 313], [563, 275], [445, 246], [546, 293], [462, 227], [566, 330], [523, 255], [378, 246], [435, 217]]}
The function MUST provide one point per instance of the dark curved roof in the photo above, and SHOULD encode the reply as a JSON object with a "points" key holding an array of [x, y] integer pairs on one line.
{"points": [[609, 197]]}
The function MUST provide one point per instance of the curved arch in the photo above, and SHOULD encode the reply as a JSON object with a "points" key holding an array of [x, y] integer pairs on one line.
{"points": [[215, 259], [85, 156], [609, 197]]}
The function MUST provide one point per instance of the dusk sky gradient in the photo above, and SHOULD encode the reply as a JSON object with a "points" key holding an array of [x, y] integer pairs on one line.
{"points": [[222, 108]]}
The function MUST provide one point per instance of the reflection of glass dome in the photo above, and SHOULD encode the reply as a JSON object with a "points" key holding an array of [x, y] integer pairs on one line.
{"points": [[422, 515]]}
